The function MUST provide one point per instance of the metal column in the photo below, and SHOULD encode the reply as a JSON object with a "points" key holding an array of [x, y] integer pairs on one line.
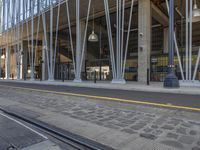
{"points": [[171, 81], [78, 43]]}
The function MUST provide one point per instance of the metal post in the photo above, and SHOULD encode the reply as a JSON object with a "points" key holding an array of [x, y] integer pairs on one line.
{"points": [[95, 76], [68, 71], [148, 76], [171, 80], [63, 76], [24, 76]]}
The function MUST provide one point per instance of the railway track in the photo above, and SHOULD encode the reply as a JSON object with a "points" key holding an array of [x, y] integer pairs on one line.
{"points": [[74, 141]]}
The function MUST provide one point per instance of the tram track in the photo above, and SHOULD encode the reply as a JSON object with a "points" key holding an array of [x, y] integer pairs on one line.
{"points": [[76, 142]]}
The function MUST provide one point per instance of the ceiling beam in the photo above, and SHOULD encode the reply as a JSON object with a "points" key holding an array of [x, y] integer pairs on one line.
{"points": [[159, 16]]}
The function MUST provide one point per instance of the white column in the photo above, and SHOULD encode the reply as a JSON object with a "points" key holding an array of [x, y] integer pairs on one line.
{"points": [[21, 60], [0, 62], [7, 65], [78, 43], [144, 39]]}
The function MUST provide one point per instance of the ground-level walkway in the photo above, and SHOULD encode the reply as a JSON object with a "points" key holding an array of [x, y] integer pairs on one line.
{"points": [[123, 126], [130, 85]]}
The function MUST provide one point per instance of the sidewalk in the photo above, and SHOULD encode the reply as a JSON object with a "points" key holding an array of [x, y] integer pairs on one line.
{"points": [[118, 125], [135, 86]]}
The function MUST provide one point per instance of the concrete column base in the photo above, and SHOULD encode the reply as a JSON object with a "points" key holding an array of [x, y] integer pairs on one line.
{"points": [[118, 81], [77, 81], [171, 81], [189, 83], [32, 79], [51, 79]]}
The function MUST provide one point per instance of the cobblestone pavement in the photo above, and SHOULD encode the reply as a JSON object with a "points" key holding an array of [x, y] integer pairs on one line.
{"points": [[159, 125]]}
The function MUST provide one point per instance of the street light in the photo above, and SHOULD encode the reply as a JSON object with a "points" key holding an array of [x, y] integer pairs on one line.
{"points": [[171, 81]]}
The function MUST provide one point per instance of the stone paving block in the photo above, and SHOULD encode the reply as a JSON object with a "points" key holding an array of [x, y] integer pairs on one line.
{"points": [[157, 146], [154, 126], [121, 125], [148, 136], [174, 122], [147, 130], [173, 143], [187, 125], [196, 148], [193, 132], [172, 135], [167, 127], [181, 130], [138, 126], [198, 143], [187, 139], [111, 126], [194, 123], [129, 131], [157, 132]]}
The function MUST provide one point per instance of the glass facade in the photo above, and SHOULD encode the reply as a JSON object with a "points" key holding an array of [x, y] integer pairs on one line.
{"points": [[51, 43], [17, 11]]}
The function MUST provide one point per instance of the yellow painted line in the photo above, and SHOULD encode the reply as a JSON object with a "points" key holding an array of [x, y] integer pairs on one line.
{"points": [[106, 98]]}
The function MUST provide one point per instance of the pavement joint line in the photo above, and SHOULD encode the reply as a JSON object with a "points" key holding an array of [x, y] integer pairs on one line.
{"points": [[107, 98]]}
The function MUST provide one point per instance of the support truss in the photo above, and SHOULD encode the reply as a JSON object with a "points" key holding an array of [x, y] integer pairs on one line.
{"points": [[118, 64]]}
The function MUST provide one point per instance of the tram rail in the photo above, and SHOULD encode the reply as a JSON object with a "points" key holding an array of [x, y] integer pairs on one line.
{"points": [[73, 140]]}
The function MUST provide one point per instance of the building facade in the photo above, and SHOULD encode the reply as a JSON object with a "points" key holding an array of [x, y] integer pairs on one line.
{"points": [[116, 40]]}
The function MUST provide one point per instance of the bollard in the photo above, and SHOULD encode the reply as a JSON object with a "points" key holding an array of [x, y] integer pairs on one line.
{"points": [[148, 77], [95, 78], [24, 76], [63, 76]]}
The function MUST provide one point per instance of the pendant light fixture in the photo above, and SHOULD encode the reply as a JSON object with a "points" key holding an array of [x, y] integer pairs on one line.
{"points": [[196, 12], [93, 37], [3, 56]]}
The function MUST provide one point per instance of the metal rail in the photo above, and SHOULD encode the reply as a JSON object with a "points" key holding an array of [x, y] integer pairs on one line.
{"points": [[73, 140]]}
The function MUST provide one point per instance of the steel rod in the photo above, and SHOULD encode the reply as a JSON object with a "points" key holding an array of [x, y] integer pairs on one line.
{"points": [[196, 65], [70, 35], [85, 34], [187, 40], [127, 39], [56, 40], [190, 42], [110, 38]]}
